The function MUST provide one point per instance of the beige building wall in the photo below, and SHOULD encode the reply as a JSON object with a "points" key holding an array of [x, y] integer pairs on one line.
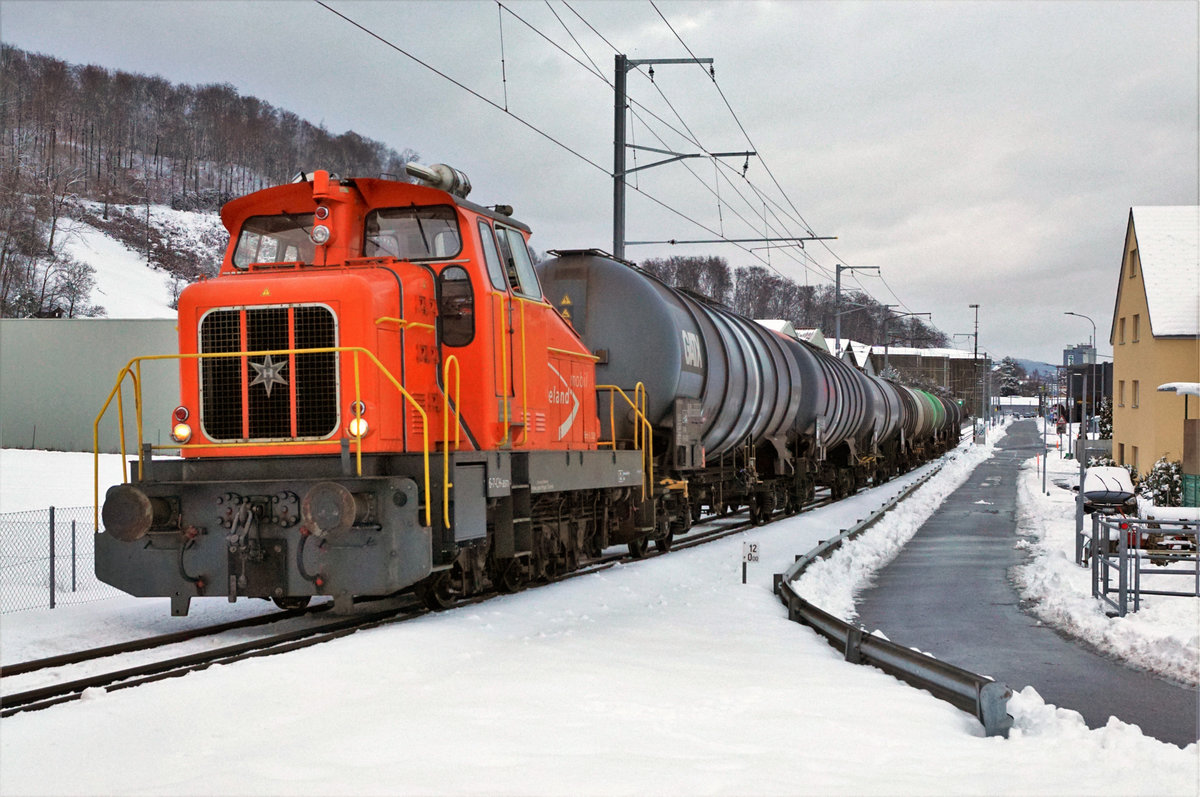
{"points": [[1147, 424]]}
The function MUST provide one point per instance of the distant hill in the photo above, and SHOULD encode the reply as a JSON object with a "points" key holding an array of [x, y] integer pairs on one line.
{"points": [[1034, 366]]}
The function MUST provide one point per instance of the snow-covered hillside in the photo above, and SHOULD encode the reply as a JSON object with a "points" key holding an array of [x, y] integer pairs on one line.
{"points": [[125, 286]]}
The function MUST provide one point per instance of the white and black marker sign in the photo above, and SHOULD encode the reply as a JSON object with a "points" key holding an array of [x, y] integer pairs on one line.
{"points": [[749, 554]]}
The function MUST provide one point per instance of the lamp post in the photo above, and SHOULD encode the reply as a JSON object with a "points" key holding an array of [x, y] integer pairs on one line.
{"points": [[975, 367], [1092, 344]]}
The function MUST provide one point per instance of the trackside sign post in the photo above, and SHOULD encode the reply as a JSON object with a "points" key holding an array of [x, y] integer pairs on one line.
{"points": [[749, 554]]}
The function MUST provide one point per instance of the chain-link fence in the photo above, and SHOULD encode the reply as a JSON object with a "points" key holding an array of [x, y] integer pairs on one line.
{"points": [[47, 559]]}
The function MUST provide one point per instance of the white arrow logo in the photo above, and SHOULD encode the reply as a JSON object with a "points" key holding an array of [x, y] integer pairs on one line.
{"points": [[566, 426]]}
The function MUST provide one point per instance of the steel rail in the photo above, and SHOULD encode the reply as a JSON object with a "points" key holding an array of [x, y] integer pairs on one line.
{"points": [[44, 697], [148, 643]]}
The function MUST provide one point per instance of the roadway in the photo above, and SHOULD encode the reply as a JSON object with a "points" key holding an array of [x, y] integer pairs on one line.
{"points": [[949, 594]]}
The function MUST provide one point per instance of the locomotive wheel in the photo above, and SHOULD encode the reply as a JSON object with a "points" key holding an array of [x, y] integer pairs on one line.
{"points": [[292, 603], [435, 592], [638, 547], [663, 544]]}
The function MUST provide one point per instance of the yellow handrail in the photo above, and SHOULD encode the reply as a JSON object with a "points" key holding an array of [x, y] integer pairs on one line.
{"points": [[579, 354], [639, 392], [402, 323], [132, 369], [503, 344], [451, 360], [524, 381]]}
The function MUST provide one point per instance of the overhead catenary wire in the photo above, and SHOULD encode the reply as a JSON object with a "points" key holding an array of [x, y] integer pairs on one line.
{"points": [[762, 160], [803, 257], [518, 118]]}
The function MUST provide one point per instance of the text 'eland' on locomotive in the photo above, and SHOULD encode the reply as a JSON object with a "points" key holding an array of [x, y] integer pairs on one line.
{"points": [[379, 391]]}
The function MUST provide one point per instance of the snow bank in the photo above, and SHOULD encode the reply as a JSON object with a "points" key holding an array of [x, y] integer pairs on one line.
{"points": [[1163, 637], [834, 583]]}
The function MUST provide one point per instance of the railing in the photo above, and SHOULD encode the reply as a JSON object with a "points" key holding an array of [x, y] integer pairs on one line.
{"points": [[983, 697], [451, 360], [133, 370], [1135, 548], [643, 430]]}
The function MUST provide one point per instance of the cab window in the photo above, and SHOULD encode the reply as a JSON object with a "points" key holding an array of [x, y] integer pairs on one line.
{"points": [[492, 257], [456, 306], [413, 233], [275, 239], [517, 263]]}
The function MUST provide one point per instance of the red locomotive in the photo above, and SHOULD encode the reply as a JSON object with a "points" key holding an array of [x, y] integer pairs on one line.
{"points": [[375, 394]]}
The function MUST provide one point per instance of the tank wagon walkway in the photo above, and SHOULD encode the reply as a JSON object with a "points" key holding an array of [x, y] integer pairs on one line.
{"points": [[948, 593]]}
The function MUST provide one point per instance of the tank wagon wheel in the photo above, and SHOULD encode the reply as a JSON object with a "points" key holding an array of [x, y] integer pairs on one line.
{"points": [[507, 576], [435, 592], [638, 547], [292, 603]]}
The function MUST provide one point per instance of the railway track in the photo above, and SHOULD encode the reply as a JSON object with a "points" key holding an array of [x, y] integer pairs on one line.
{"points": [[400, 608]]}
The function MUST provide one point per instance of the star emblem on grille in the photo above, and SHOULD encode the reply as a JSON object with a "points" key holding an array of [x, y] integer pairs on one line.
{"points": [[268, 373]]}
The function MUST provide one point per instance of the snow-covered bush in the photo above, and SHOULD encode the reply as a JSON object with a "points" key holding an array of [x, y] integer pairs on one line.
{"points": [[1105, 418], [1163, 484]]}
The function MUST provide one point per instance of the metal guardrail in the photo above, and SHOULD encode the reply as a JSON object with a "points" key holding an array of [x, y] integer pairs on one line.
{"points": [[1128, 545], [979, 695]]}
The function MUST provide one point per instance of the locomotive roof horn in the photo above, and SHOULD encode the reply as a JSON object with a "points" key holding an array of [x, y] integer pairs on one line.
{"points": [[439, 175]]}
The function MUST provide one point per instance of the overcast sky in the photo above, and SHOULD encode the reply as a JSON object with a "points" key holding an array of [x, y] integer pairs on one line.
{"points": [[977, 152]]}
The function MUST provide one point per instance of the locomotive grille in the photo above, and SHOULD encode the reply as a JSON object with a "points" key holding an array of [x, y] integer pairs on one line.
{"points": [[269, 397]]}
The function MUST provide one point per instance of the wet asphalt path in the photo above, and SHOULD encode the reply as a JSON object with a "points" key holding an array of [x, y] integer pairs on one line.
{"points": [[948, 593]]}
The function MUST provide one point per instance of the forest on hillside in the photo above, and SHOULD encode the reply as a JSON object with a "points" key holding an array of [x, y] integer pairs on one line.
{"points": [[759, 292], [70, 132]]}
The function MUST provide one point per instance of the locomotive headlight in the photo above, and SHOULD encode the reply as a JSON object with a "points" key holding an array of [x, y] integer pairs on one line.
{"points": [[181, 432], [358, 424], [320, 234]]}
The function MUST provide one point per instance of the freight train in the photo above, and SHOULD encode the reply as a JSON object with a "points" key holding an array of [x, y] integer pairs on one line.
{"points": [[381, 392]]}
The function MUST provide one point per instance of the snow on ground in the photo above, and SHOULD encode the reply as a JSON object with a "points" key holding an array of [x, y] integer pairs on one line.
{"points": [[1162, 637], [667, 676], [41, 479]]}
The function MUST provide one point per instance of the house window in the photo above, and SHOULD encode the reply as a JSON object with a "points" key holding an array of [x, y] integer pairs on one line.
{"points": [[1121, 331], [1120, 453], [1137, 328], [1133, 257], [1135, 458], [1137, 393], [1121, 393]]}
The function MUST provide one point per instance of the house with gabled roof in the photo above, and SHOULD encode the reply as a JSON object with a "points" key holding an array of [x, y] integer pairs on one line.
{"points": [[1155, 337]]}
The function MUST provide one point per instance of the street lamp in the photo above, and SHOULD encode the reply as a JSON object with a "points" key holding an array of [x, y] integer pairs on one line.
{"points": [[975, 364]]}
